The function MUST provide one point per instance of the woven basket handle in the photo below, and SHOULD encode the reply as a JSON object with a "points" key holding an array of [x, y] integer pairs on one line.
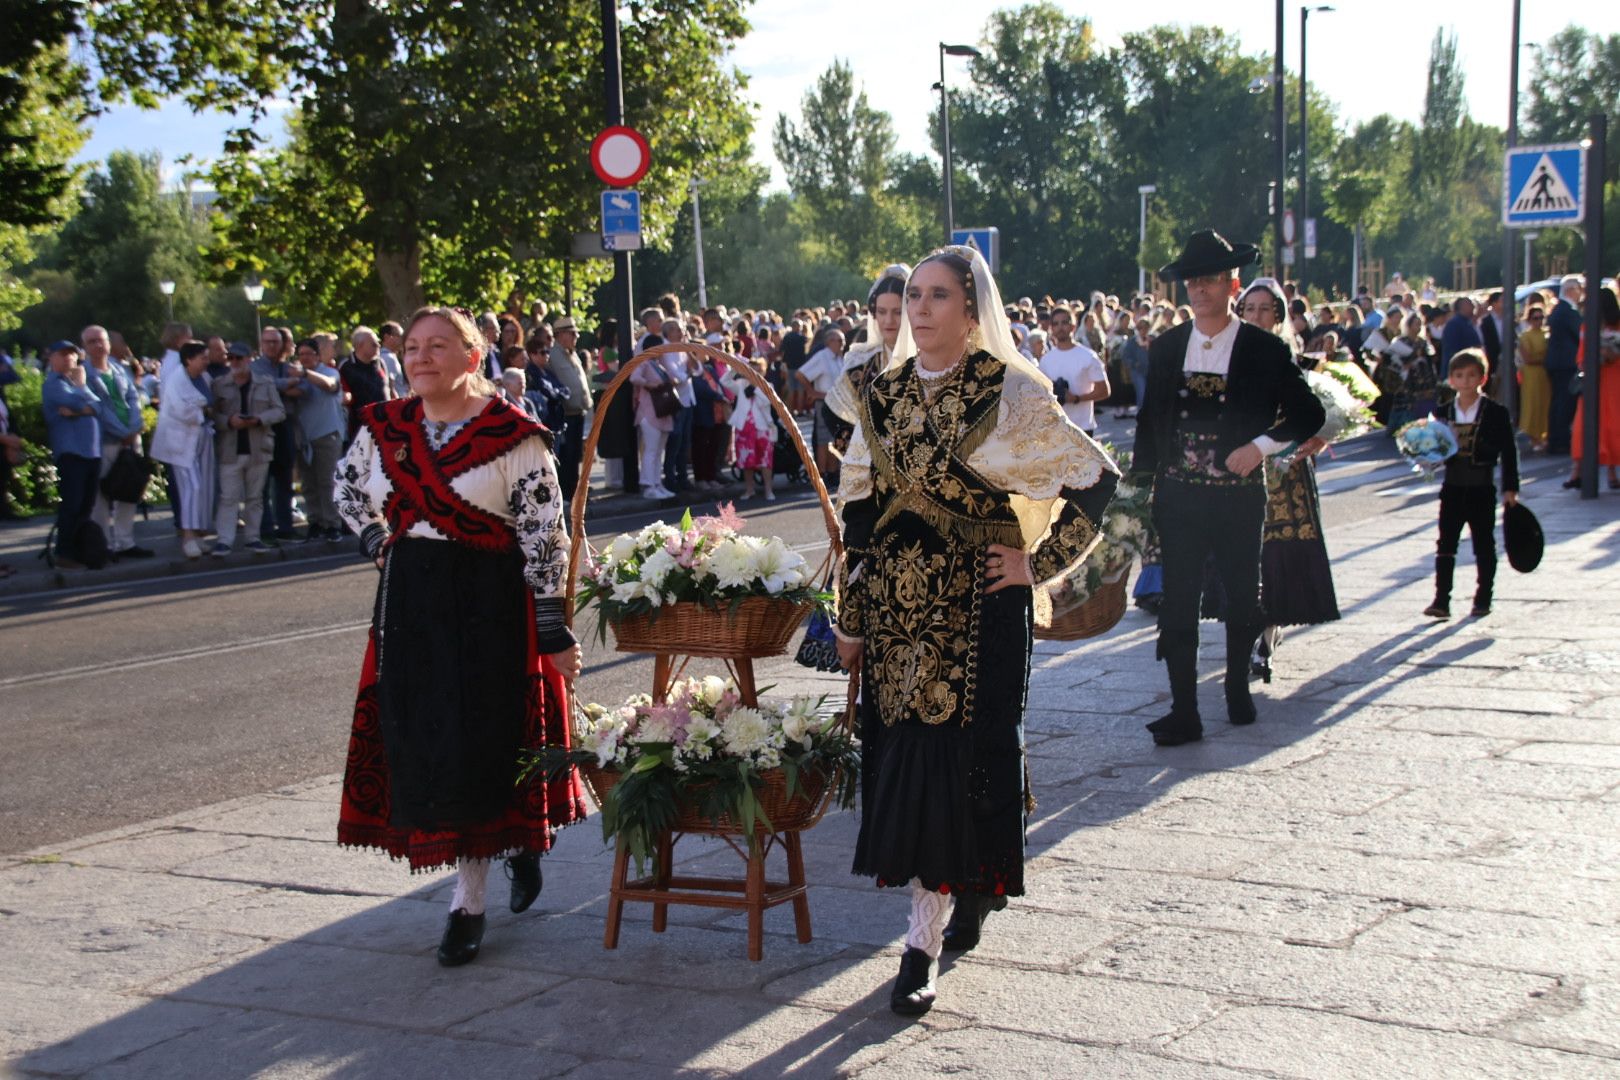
{"points": [[576, 518]]}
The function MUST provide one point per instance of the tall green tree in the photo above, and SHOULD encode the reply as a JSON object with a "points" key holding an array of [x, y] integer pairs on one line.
{"points": [[447, 137], [839, 159], [104, 265], [1575, 75], [1028, 138], [42, 108]]}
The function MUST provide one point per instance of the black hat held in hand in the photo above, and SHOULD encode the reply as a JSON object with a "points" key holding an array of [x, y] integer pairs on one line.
{"points": [[1521, 535], [1208, 252]]}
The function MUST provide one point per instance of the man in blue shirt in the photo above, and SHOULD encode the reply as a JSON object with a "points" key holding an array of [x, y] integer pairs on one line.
{"points": [[121, 427], [1460, 333], [73, 428]]}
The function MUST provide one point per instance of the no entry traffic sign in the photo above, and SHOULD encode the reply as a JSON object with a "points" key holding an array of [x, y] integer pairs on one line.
{"points": [[620, 156]]}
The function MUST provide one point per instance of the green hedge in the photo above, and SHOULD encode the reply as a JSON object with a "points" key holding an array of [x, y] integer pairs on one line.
{"points": [[33, 483]]}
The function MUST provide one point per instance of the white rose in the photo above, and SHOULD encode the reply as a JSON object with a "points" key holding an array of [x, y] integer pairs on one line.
{"points": [[714, 688], [626, 591]]}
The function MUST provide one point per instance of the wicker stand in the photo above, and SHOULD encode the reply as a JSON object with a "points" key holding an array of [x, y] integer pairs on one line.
{"points": [[671, 650]]}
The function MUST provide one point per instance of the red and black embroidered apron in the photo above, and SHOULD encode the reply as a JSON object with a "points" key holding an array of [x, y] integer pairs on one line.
{"points": [[452, 688]]}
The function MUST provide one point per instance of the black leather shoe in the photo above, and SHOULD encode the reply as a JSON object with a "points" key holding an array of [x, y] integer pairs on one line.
{"points": [[967, 920], [463, 933], [1176, 729], [913, 992], [524, 870]]}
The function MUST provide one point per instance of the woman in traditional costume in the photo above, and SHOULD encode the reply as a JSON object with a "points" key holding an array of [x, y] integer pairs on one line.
{"points": [[964, 486], [1296, 581], [454, 493], [870, 356]]}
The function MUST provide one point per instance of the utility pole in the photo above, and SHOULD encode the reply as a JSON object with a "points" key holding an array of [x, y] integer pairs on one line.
{"points": [[1279, 136]]}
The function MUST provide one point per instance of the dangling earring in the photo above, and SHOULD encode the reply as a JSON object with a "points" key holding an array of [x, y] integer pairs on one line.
{"points": [[975, 340]]}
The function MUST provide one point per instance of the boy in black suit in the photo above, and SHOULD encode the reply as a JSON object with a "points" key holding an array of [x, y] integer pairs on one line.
{"points": [[1468, 494], [1221, 395]]}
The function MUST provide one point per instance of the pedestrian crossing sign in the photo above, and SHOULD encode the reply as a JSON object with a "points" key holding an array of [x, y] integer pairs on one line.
{"points": [[1544, 185]]}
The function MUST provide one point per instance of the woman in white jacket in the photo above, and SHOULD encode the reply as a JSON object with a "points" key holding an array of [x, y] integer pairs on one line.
{"points": [[184, 441], [754, 425]]}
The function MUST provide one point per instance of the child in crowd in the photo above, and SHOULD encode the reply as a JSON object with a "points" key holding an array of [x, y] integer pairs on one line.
{"points": [[1468, 494]]}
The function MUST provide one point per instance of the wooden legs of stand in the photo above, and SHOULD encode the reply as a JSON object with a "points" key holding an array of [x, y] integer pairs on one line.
{"points": [[751, 893], [666, 671]]}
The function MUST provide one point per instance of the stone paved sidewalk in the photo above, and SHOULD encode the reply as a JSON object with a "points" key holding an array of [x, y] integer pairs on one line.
{"points": [[1409, 868]]}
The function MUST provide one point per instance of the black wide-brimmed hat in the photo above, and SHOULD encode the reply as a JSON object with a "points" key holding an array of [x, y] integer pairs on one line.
{"points": [[1521, 535], [1208, 252]]}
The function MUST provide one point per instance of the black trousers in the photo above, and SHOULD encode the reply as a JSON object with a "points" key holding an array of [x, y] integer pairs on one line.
{"points": [[1560, 409], [1197, 522], [1474, 507], [76, 479], [570, 451]]}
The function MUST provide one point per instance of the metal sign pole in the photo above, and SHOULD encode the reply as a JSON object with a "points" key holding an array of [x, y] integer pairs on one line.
{"points": [[623, 293], [1595, 157], [1506, 374]]}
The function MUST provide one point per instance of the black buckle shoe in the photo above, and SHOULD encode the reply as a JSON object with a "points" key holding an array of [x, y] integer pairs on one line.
{"points": [[913, 992], [1176, 729], [524, 870], [967, 920], [463, 933]]}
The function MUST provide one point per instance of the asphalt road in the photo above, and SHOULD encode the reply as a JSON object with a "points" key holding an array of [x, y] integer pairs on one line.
{"points": [[123, 703]]}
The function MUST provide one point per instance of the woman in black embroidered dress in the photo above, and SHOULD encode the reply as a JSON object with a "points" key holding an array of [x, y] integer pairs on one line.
{"points": [[963, 486], [454, 493], [1296, 579]]}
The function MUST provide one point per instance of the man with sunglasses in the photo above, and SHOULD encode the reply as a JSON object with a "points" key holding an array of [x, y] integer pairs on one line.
{"points": [[1221, 396]]}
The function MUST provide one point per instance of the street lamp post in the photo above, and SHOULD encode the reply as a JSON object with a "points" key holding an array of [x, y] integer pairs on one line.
{"points": [[945, 128], [254, 291], [166, 287], [1141, 271], [697, 242], [1304, 140], [1530, 238]]}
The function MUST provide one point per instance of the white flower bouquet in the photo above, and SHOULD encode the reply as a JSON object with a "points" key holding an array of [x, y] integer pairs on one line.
{"points": [[702, 755], [1426, 443], [1346, 414], [705, 561]]}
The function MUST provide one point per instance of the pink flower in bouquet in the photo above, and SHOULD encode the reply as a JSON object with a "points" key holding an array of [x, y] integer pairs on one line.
{"points": [[718, 527]]}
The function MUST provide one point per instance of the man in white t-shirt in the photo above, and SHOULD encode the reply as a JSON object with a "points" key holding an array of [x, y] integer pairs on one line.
{"points": [[1075, 370]]}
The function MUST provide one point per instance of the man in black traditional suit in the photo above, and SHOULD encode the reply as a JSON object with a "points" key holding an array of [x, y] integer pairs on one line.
{"points": [[1222, 395]]}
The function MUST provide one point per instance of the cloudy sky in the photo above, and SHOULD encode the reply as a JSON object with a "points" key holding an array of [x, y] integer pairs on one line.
{"points": [[1369, 57]]}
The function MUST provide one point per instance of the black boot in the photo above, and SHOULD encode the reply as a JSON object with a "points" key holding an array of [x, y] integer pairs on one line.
{"points": [[1179, 651], [1444, 566], [1487, 584], [967, 920], [463, 933], [1240, 638], [524, 870], [913, 992]]}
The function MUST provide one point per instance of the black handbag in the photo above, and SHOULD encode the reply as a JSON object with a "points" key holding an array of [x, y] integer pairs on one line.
{"points": [[664, 400], [127, 478]]}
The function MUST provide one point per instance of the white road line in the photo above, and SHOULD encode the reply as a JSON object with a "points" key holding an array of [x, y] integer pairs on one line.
{"points": [[181, 654]]}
